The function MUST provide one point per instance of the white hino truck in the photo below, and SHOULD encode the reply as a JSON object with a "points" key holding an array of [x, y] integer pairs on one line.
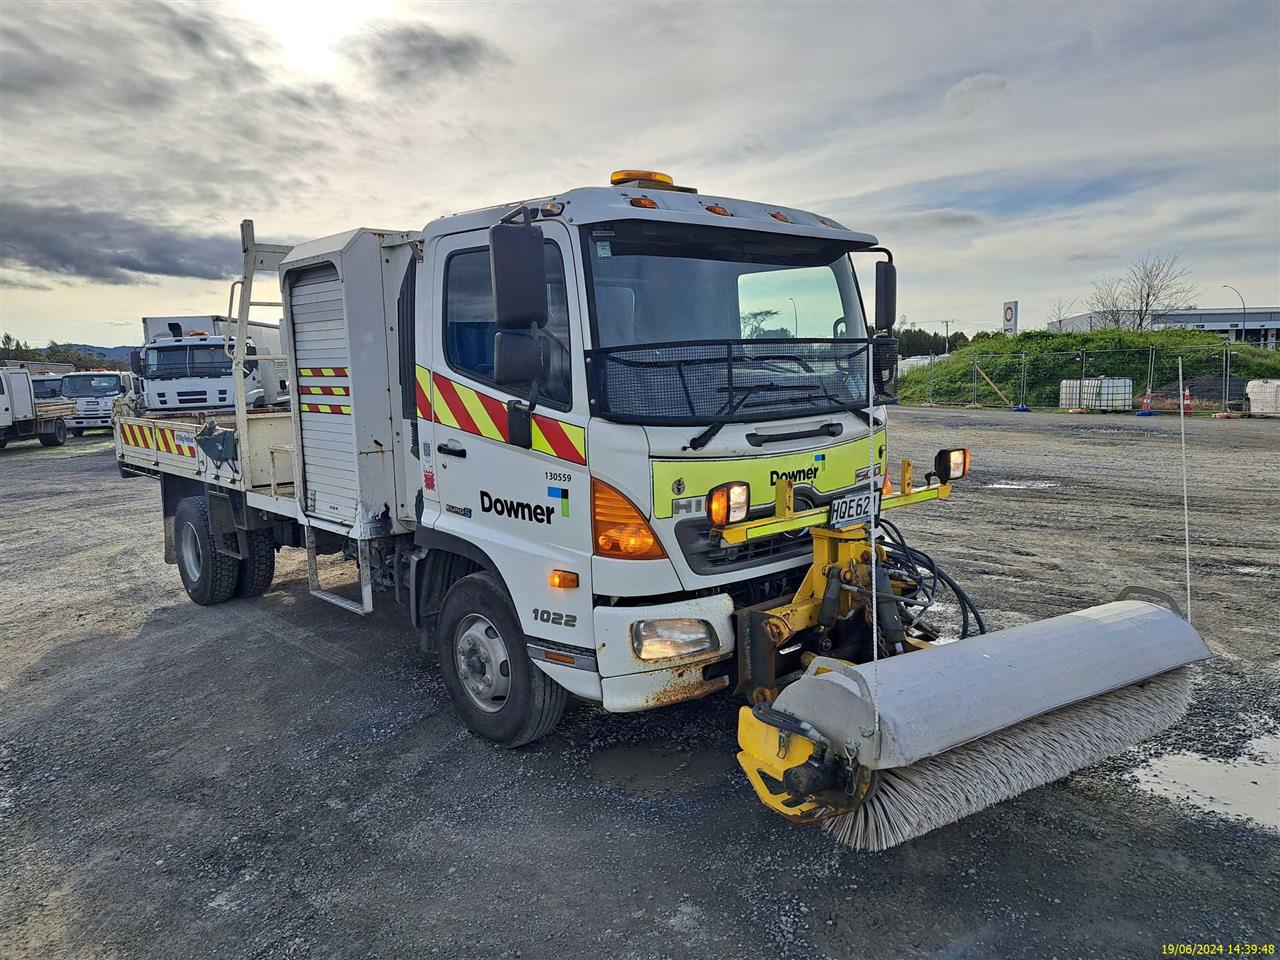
{"points": [[185, 364], [628, 443]]}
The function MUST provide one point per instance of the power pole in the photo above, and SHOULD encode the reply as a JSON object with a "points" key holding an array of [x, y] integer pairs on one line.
{"points": [[946, 326]]}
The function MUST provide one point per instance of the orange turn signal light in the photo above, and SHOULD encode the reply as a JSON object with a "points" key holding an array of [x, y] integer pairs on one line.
{"points": [[644, 202], [564, 579], [618, 529]]}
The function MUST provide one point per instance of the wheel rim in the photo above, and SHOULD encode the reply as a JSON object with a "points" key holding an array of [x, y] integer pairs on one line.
{"points": [[189, 549], [484, 668]]}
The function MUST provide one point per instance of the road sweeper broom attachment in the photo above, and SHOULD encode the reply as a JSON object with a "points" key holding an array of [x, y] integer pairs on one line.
{"points": [[886, 743]]}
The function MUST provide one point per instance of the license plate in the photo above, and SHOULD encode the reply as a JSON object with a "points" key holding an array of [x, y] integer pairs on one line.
{"points": [[854, 508]]}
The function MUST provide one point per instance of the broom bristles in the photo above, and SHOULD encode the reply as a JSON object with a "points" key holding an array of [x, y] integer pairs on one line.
{"points": [[910, 801]]}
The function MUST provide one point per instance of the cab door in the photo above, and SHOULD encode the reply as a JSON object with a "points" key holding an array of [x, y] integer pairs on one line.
{"points": [[528, 509]]}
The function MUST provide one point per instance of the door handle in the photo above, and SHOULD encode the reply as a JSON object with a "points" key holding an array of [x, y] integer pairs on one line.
{"points": [[451, 449]]}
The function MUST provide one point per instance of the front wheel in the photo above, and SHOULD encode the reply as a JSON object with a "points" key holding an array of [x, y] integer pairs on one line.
{"points": [[494, 685], [57, 437], [209, 577]]}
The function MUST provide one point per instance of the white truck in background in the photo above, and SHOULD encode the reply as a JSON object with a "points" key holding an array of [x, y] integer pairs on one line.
{"points": [[94, 393], [24, 416], [186, 364]]}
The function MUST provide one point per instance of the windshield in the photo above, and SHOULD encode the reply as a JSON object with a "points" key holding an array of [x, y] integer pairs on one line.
{"points": [[696, 324], [167, 363], [47, 389], [91, 385], [661, 283]]}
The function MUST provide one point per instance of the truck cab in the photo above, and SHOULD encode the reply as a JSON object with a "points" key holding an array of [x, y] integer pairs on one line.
{"points": [[94, 393], [47, 386], [693, 351], [186, 364]]}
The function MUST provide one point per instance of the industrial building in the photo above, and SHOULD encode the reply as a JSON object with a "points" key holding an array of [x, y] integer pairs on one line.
{"points": [[1257, 326]]}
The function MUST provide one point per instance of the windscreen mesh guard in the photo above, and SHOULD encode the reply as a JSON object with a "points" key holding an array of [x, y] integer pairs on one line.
{"points": [[704, 381]]}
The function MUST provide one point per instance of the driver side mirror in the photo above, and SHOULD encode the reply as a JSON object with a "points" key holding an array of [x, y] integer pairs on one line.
{"points": [[886, 296], [135, 362], [519, 276]]}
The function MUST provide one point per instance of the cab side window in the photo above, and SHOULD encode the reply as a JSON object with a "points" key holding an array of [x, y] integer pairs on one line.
{"points": [[469, 326]]}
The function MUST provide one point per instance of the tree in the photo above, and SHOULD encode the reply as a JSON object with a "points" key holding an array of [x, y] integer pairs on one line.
{"points": [[1108, 304], [1156, 286], [1150, 290], [11, 348], [754, 321], [1061, 308]]}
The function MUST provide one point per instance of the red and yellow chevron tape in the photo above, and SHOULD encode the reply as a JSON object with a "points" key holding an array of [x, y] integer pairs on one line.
{"points": [[322, 371], [167, 442], [341, 408], [457, 405]]}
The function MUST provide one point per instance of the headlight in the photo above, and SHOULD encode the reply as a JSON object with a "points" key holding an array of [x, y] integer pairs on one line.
{"points": [[728, 503], [948, 465], [677, 637]]}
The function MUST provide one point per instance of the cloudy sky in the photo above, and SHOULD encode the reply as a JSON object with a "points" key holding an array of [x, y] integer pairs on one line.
{"points": [[1004, 151]]}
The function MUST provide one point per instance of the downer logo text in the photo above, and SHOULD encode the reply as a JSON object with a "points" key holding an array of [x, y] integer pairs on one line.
{"points": [[515, 509], [804, 473]]}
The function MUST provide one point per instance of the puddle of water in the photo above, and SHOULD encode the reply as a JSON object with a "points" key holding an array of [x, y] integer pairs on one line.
{"points": [[657, 770], [1239, 788], [1024, 485]]}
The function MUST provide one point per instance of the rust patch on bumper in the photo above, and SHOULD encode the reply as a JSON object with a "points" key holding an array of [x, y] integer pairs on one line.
{"points": [[687, 685]]}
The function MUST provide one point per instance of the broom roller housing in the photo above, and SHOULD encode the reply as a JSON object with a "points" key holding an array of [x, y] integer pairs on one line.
{"points": [[562, 435]]}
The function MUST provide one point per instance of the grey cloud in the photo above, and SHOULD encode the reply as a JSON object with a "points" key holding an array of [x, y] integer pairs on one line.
{"points": [[67, 241], [174, 98], [393, 54], [17, 283], [972, 93]]}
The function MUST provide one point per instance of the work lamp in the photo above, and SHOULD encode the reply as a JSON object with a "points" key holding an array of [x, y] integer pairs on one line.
{"points": [[949, 465]]}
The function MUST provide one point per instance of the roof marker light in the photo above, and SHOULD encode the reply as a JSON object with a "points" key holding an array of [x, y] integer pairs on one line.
{"points": [[782, 217], [644, 202], [718, 210]]}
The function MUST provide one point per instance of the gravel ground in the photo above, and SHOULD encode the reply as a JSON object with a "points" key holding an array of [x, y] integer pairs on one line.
{"points": [[275, 778]]}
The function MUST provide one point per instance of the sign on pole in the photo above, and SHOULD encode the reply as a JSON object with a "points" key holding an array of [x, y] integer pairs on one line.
{"points": [[1011, 318]]}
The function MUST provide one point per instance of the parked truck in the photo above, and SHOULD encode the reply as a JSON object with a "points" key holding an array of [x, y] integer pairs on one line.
{"points": [[24, 415], [558, 435], [186, 364], [94, 393]]}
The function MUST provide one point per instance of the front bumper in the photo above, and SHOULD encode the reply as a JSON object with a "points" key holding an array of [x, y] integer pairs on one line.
{"points": [[89, 422], [629, 684]]}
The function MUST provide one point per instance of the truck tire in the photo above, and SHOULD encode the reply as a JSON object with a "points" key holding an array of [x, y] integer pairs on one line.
{"points": [[494, 685], [209, 577], [4, 442], [57, 437], [77, 431], [258, 568]]}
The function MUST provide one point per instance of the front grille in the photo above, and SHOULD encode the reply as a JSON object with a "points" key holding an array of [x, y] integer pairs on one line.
{"points": [[706, 556], [193, 396]]}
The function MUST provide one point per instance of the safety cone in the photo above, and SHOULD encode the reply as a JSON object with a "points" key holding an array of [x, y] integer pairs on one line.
{"points": [[1144, 409], [1186, 401]]}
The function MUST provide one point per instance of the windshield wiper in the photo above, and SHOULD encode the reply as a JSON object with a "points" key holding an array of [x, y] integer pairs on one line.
{"points": [[706, 436]]}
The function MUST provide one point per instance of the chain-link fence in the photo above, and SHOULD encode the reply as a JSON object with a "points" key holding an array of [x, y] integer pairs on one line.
{"points": [[1094, 380]]}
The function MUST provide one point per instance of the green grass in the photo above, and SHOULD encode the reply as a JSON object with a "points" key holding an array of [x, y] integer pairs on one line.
{"points": [[1054, 357]]}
